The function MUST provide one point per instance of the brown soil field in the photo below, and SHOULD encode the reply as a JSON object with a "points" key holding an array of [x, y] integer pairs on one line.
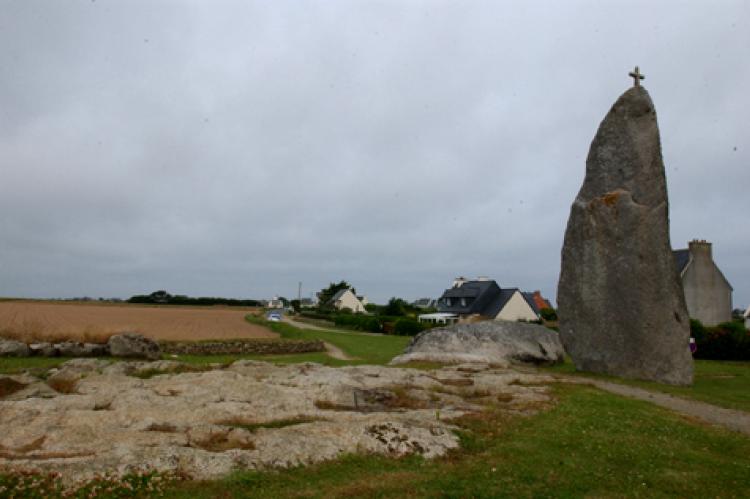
{"points": [[95, 322]]}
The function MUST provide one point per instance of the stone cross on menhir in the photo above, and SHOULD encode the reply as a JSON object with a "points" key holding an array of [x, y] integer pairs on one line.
{"points": [[637, 76]]}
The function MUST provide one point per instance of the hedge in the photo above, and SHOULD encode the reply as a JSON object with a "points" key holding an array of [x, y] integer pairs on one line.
{"points": [[408, 327], [360, 322], [727, 341]]}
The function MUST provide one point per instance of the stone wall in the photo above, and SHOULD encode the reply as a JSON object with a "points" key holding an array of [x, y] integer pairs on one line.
{"points": [[13, 348], [262, 347]]}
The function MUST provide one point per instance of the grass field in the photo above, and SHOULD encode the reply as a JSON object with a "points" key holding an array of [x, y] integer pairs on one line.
{"points": [[55, 321], [367, 348], [592, 444]]}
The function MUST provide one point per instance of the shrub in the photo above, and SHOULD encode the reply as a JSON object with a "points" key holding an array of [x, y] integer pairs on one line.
{"points": [[727, 341], [548, 314], [359, 322], [408, 327], [316, 315]]}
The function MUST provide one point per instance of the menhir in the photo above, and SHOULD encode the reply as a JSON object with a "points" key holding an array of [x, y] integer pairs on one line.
{"points": [[621, 304]]}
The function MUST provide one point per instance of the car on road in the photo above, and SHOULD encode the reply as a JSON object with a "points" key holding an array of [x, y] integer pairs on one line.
{"points": [[274, 317]]}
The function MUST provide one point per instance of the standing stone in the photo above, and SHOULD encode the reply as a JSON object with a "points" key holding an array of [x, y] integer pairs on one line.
{"points": [[621, 305]]}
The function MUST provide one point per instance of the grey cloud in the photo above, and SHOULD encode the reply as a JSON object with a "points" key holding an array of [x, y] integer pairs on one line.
{"points": [[236, 148]]}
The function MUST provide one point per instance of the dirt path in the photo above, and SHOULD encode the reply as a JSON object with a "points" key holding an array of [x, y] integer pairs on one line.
{"points": [[337, 353], [729, 418]]}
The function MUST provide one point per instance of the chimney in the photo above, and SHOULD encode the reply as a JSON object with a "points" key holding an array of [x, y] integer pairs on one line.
{"points": [[459, 281], [700, 248]]}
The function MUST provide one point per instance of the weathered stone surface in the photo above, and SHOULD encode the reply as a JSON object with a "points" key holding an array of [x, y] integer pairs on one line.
{"points": [[193, 422], [43, 350], [13, 348], [132, 345], [491, 342], [621, 305]]}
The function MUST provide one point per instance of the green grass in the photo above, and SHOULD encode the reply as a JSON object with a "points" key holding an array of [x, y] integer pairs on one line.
{"points": [[369, 349], [723, 383], [12, 365], [592, 444]]}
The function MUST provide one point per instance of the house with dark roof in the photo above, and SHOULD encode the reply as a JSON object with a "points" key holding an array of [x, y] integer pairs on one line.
{"points": [[708, 294], [484, 299]]}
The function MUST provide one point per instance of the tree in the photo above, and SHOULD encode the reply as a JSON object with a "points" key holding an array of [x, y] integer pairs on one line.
{"points": [[296, 305], [327, 293], [160, 296], [395, 307], [548, 314]]}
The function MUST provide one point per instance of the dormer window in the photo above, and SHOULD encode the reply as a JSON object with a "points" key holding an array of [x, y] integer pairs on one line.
{"points": [[448, 301]]}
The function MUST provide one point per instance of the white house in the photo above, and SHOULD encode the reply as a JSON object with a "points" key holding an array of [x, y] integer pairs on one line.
{"points": [[747, 318], [344, 298], [275, 302]]}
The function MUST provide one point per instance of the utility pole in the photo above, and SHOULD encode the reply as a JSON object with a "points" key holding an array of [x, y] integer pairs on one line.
{"points": [[299, 292]]}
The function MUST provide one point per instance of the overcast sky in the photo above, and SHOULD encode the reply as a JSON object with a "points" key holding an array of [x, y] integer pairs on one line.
{"points": [[237, 148]]}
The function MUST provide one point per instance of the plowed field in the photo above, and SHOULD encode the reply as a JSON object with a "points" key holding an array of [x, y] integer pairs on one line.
{"points": [[32, 320]]}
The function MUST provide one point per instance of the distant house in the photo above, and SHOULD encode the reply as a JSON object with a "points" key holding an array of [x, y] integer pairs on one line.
{"points": [[424, 303], [708, 294], [344, 298], [747, 318], [538, 300], [275, 302], [308, 303], [484, 299]]}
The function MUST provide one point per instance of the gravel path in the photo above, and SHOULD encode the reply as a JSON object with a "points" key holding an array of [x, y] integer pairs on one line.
{"points": [[729, 418]]}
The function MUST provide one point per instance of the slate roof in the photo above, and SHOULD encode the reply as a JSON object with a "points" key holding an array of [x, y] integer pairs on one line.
{"points": [[478, 296], [681, 259]]}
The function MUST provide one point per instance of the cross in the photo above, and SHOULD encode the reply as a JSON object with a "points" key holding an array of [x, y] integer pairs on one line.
{"points": [[637, 76]]}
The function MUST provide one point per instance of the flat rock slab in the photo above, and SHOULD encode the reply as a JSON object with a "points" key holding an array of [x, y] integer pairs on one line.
{"points": [[499, 343], [250, 415]]}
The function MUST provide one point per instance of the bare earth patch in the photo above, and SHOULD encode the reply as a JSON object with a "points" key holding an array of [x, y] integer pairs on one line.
{"points": [[92, 322], [249, 415]]}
